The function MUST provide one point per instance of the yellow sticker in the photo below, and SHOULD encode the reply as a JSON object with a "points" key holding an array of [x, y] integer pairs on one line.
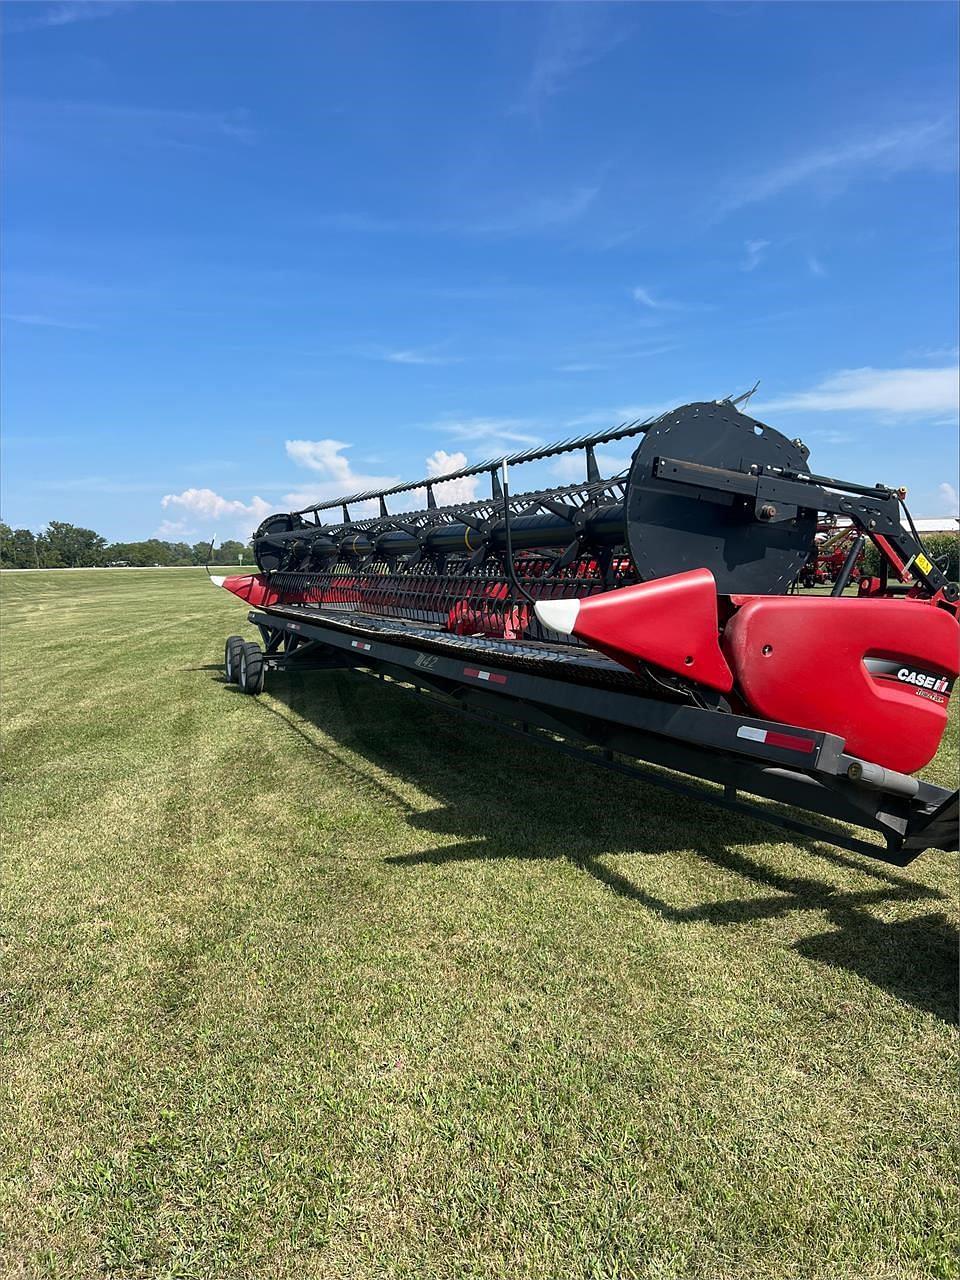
{"points": [[922, 563]]}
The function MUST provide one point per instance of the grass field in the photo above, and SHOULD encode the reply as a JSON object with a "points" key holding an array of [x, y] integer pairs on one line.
{"points": [[331, 984]]}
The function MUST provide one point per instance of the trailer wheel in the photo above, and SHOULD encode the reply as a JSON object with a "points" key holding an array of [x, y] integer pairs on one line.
{"points": [[251, 669], [231, 658]]}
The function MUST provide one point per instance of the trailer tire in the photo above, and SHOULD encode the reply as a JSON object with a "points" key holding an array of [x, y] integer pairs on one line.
{"points": [[252, 669], [231, 658]]}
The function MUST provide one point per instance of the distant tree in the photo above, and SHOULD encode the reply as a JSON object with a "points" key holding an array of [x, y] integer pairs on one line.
{"points": [[180, 553], [148, 552], [63, 545], [123, 553], [230, 552], [22, 550]]}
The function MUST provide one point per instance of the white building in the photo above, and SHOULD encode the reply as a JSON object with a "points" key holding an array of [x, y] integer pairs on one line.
{"points": [[937, 524]]}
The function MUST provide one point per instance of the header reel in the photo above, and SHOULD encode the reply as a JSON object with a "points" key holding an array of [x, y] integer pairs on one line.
{"points": [[708, 488]]}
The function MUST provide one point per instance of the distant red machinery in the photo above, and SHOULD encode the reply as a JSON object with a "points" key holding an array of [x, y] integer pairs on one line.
{"points": [[648, 617], [828, 559]]}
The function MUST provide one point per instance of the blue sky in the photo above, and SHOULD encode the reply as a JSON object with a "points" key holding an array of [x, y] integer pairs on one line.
{"points": [[258, 254]]}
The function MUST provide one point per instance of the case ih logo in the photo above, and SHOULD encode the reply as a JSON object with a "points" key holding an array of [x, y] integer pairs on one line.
{"points": [[923, 680], [926, 683]]}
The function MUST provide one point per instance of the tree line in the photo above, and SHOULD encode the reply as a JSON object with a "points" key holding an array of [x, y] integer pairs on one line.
{"points": [[68, 546]]}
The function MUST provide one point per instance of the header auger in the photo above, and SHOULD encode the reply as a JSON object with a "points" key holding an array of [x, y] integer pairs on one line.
{"points": [[651, 616]]}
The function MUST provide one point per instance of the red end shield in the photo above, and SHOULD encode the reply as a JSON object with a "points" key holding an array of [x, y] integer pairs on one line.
{"points": [[669, 623]]}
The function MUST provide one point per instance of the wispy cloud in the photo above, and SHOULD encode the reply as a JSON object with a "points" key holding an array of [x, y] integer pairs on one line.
{"points": [[647, 299], [754, 253], [571, 467], [614, 417], [46, 322], [174, 530], [924, 145], [110, 121], [950, 499], [572, 37], [495, 431], [936, 353], [63, 15], [425, 356], [539, 213], [833, 437], [618, 355], [815, 266], [525, 214], [887, 392]]}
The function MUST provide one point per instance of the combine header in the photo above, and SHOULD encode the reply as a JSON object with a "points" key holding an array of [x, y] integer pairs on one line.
{"points": [[649, 617]]}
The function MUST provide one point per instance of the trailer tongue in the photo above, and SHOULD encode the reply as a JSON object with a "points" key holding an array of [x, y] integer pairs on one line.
{"points": [[649, 617]]}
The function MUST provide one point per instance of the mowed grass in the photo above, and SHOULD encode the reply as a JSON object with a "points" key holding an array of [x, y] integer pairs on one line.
{"points": [[331, 983]]}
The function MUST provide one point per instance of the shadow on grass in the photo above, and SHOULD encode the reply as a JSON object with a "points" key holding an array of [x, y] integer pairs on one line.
{"points": [[504, 798]]}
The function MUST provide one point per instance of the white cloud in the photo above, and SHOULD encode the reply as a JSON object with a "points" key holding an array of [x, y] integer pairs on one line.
{"points": [[927, 145], [338, 479], [203, 508], [893, 392], [324, 456], [441, 463], [816, 266], [950, 499], [754, 253]]}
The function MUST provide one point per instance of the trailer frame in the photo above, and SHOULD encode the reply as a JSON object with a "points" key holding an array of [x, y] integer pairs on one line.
{"points": [[632, 732]]}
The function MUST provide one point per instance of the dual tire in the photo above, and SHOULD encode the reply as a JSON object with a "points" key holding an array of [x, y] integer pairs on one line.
{"points": [[244, 664]]}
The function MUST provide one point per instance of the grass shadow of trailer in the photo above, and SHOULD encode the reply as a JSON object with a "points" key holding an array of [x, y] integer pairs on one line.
{"points": [[481, 777]]}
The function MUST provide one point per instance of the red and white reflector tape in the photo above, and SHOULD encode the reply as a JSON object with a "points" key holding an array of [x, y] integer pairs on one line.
{"points": [[770, 737], [359, 644], [490, 676]]}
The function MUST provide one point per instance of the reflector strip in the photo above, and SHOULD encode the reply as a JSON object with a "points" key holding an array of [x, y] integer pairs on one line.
{"points": [[484, 675], [771, 738], [755, 735], [358, 644]]}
